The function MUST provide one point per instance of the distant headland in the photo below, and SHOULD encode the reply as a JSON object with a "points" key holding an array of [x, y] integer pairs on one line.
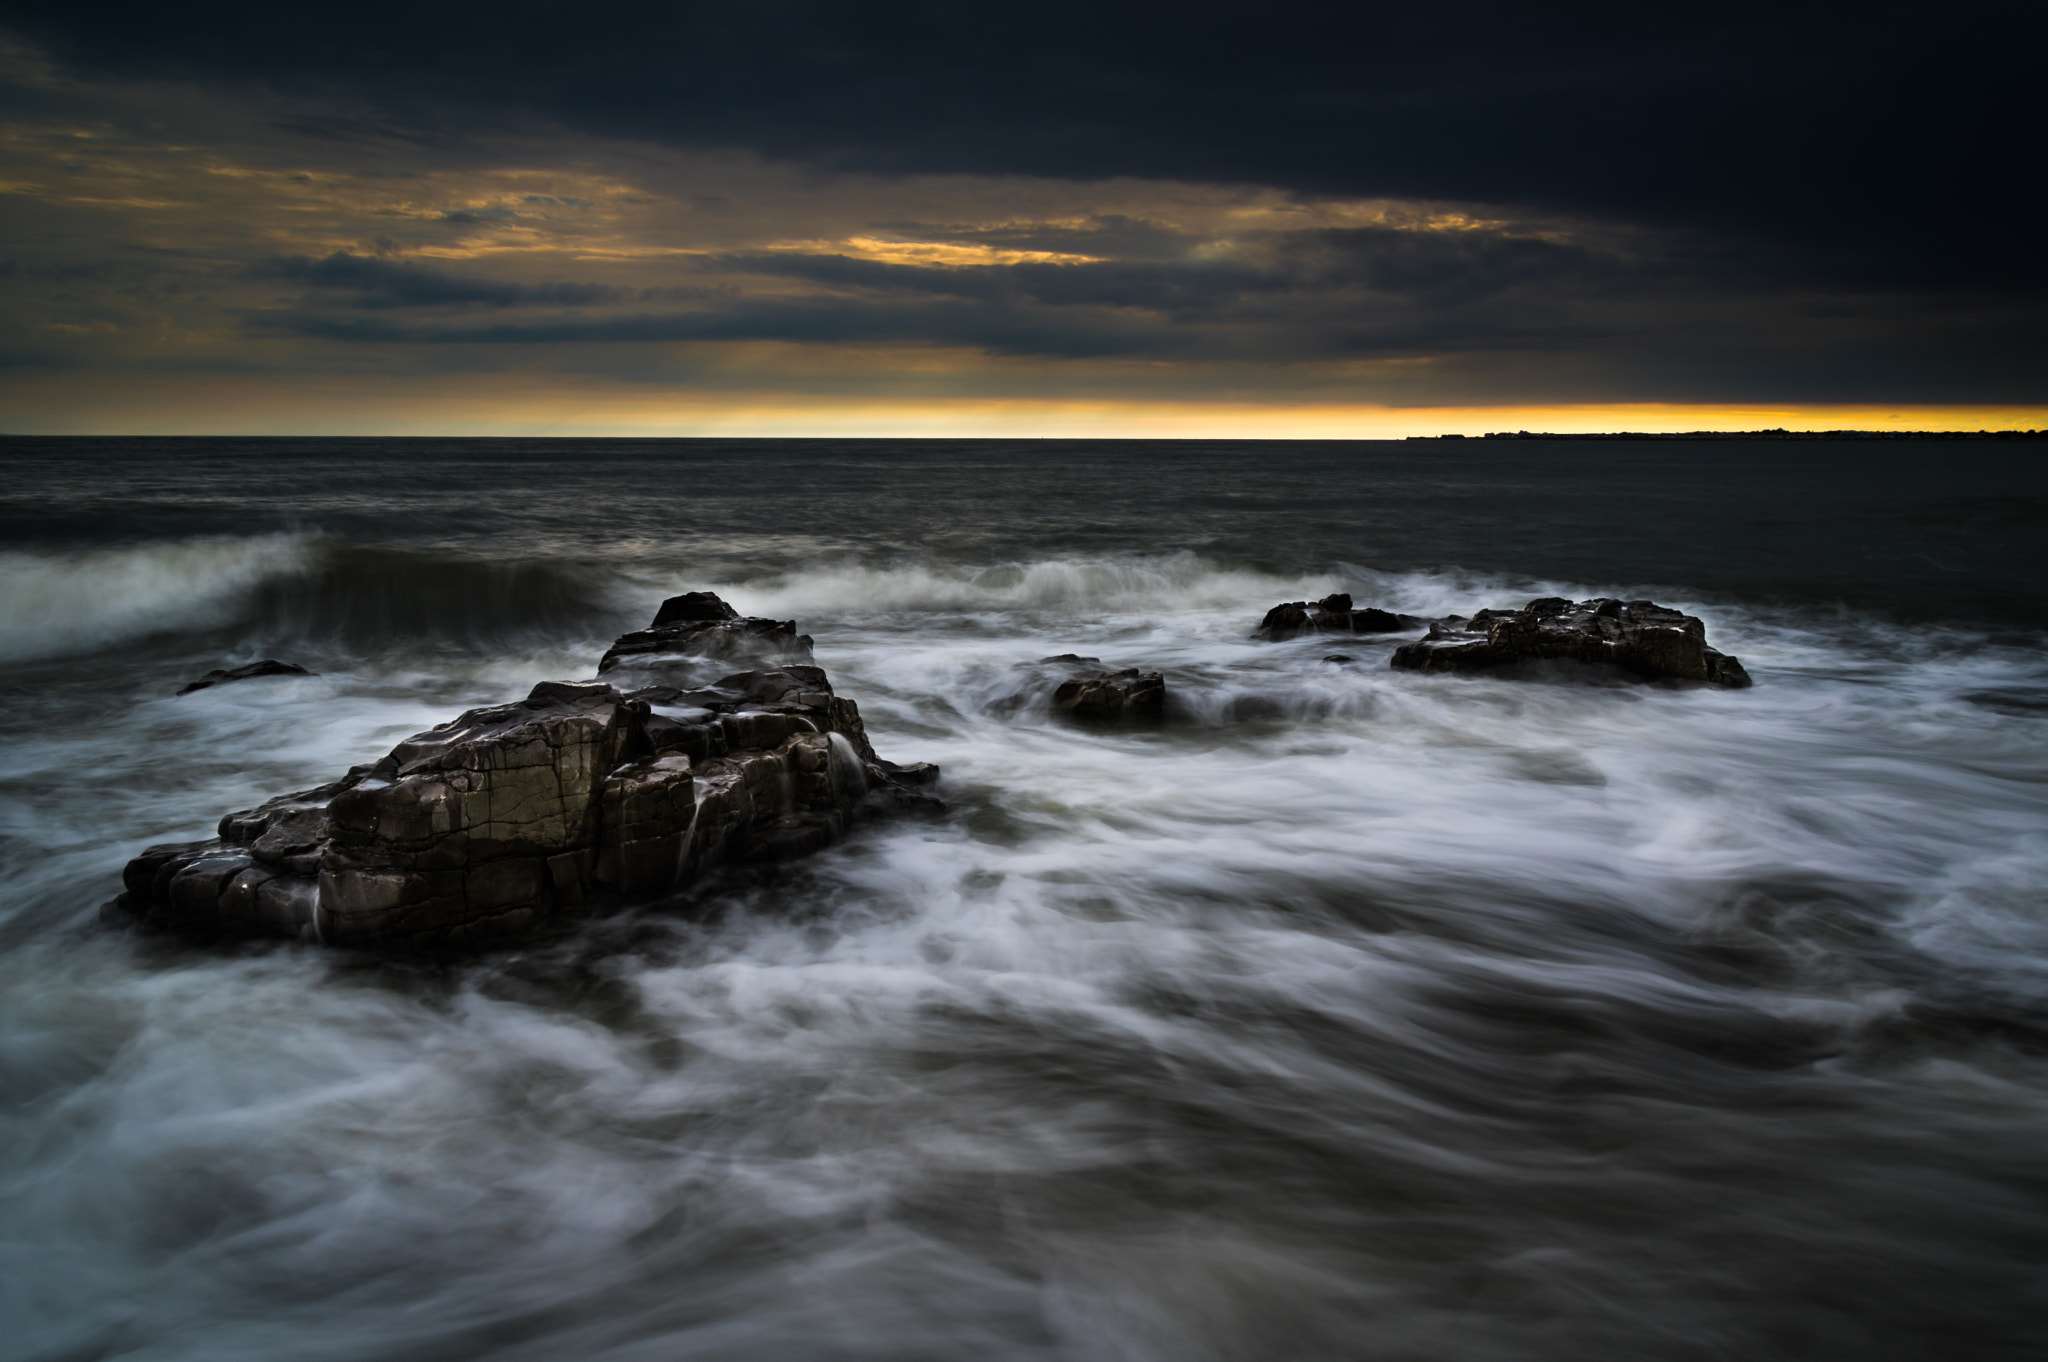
{"points": [[1779, 434]]}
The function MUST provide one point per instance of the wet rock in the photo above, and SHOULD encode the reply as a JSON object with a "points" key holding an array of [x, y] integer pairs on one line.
{"points": [[1639, 637], [1100, 694], [697, 634], [1340, 658], [693, 607], [269, 666], [1333, 614], [511, 816]]}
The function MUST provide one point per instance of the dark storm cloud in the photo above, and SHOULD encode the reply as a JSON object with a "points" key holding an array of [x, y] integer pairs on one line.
{"points": [[1166, 288], [1888, 144], [1802, 202], [1298, 295], [1449, 268], [1683, 355], [1440, 268], [378, 283], [997, 330], [1348, 292]]}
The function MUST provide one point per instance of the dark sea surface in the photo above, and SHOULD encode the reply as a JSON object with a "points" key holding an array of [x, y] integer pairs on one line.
{"points": [[1350, 1014]]}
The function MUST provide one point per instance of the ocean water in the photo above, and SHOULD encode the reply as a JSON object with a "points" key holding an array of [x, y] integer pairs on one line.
{"points": [[1348, 1014]]}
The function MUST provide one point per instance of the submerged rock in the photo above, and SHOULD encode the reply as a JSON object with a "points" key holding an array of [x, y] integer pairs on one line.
{"points": [[1332, 614], [1097, 693], [269, 666], [1078, 687], [510, 816], [1639, 637]]}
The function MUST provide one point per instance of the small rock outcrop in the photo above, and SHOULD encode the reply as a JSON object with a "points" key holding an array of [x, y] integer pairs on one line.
{"points": [[583, 794], [1093, 692], [697, 628], [1333, 614], [1639, 637], [269, 666]]}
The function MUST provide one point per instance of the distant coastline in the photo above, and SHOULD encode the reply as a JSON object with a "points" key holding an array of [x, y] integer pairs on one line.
{"points": [[1753, 435]]}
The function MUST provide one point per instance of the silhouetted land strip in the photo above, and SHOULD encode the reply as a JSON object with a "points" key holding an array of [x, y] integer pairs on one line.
{"points": [[1753, 435]]}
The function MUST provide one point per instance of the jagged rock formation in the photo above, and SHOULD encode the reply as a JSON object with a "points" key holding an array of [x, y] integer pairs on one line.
{"points": [[697, 628], [1640, 637], [1332, 614], [269, 666], [1100, 694], [581, 795]]}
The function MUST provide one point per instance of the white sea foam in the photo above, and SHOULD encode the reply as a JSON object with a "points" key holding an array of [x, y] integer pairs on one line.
{"points": [[1461, 1016], [1169, 581]]}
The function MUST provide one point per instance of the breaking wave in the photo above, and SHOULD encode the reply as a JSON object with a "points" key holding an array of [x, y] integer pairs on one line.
{"points": [[1111, 583], [1034, 592], [62, 602], [288, 587]]}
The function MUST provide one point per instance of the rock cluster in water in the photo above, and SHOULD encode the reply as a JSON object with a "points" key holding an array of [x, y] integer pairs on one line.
{"points": [[583, 794], [631, 786], [1639, 637]]}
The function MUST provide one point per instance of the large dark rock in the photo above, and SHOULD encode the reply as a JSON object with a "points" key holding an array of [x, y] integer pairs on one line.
{"points": [[508, 817], [269, 666], [1639, 637], [1093, 692], [1332, 614]]}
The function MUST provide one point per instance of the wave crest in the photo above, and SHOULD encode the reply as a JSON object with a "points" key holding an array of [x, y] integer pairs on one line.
{"points": [[283, 588], [1110, 583], [57, 603]]}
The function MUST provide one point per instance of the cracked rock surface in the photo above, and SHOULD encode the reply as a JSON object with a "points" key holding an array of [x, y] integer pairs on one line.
{"points": [[583, 794]]}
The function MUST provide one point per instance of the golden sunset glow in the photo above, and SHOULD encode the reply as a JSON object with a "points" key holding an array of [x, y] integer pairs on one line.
{"points": [[942, 253], [531, 405]]}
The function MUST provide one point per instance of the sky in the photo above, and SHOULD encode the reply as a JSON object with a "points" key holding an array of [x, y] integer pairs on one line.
{"points": [[921, 219]]}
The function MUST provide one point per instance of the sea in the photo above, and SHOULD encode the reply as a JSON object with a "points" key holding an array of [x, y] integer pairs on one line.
{"points": [[1346, 1014]]}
